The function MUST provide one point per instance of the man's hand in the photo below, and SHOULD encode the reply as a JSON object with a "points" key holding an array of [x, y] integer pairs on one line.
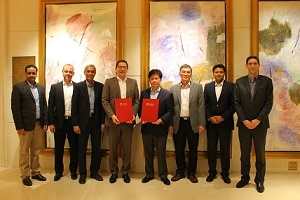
{"points": [[52, 128], [21, 131], [115, 119]]}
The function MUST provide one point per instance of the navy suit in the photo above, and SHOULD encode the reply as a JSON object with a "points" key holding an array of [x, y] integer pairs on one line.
{"points": [[63, 129], [250, 108], [155, 136], [88, 124], [223, 107]]}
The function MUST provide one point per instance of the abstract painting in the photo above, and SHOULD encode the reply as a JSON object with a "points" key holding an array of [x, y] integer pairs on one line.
{"points": [[79, 33], [279, 52], [191, 32]]}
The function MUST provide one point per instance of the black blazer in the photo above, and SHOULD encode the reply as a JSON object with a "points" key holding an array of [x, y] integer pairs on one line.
{"points": [[261, 105], [223, 107], [56, 105], [165, 112], [81, 105], [24, 108]]}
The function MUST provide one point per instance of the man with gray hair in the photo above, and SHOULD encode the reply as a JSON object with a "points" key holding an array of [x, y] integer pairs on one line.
{"points": [[88, 119]]}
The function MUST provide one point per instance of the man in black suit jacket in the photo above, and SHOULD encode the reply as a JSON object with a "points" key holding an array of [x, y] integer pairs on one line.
{"points": [[253, 99], [88, 118], [29, 108], [219, 110], [155, 134], [59, 112]]}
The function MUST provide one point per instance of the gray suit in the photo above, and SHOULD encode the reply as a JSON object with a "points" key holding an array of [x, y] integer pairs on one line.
{"points": [[188, 129], [123, 131]]}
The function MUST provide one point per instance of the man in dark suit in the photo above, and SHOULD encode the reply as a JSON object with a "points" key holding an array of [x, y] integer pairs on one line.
{"points": [[29, 109], [119, 132], [188, 122], [219, 108], [88, 118], [253, 100], [155, 134], [59, 113]]}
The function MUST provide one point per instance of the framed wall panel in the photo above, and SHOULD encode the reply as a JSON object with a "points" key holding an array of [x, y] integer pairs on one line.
{"points": [[79, 32], [275, 39], [197, 33]]}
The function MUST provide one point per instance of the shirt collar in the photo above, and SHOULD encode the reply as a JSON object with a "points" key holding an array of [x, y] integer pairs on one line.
{"points": [[89, 85], [119, 79], [70, 84], [219, 85], [254, 80], [155, 91], [30, 85], [185, 86]]}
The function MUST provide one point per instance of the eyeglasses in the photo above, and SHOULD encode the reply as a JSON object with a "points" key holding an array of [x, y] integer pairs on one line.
{"points": [[122, 67]]}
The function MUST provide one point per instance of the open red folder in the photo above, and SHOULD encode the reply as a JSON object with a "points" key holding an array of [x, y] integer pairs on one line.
{"points": [[124, 109], [150, 110]]}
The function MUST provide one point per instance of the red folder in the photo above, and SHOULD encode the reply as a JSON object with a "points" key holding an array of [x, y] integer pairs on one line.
{"points": [[150, 110], [124, 109]]}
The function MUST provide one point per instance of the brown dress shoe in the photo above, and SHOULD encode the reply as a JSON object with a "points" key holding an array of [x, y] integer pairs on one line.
{"points": [[193, 179], [177, 177]]}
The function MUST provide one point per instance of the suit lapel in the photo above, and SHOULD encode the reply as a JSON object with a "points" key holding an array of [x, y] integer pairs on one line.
{"points": [[258, 82], [61, 91], [192, 92], [27, 87], [117, 87]]}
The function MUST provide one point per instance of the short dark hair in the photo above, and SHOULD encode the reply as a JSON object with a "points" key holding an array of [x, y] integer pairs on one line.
{"points": [[185, 66], [155, 71], [124, 61], [30, 66], [252, 57], [219, 66]]}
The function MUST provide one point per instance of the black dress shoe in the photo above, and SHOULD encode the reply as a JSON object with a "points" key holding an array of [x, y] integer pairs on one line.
{"points": [[177, 177], [73, 175], [210, 178], [39, 177], [146, 179], [126, 178], [57, 177], [226, 179], [166, 181], [241, 183], [113, 178], [96, 176], [193, 179], [260, 187], [26, 181], [82, 179]]}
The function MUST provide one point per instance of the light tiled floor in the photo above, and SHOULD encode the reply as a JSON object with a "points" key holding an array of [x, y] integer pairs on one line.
{"points": [[279, 186]]}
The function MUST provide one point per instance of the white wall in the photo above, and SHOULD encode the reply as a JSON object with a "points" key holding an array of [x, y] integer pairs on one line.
{"points": [[19, 37]]}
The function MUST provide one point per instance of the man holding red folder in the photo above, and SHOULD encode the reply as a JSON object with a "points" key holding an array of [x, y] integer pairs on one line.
{"points": [[120, 130], [155, 133]]}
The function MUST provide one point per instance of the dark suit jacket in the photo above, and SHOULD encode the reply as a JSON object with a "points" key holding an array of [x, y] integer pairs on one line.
{"points": [[111, 91], [196, 106], [80, 112], [261, 105], [56, 105], [165, 112], [24, 108], [223, 107]]}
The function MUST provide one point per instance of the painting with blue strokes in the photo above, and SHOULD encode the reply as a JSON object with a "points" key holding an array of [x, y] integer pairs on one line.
{"points": [[190, 32], [279, 52], [187, 32]]}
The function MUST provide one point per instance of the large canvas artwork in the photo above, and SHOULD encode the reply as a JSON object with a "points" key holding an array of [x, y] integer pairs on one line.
{"points": [[191, 32], [279, 52], [184, 32], [79, 33]]}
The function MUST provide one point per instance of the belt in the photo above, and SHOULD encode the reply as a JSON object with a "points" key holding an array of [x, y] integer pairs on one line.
{"points": [[92, 115], [185, 118], [38, 119], [67, 117]]}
